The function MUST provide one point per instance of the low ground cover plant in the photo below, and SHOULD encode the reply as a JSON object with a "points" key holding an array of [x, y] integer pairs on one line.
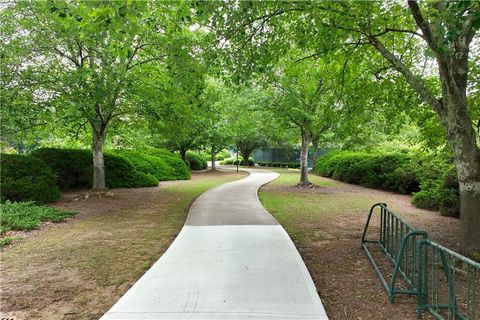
{"points": [[431, 180], [25, 178], [27, 215]]}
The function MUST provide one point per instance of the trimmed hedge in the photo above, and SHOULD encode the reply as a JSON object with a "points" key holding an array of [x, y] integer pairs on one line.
{"points": [[74, 169], [25, 178], [233, 161], [196, 161], [295, 165], [149, 165], [222, 155], [179, 168], [432, 181]]}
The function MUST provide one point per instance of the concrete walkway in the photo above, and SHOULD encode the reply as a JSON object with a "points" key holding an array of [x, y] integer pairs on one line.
{"points": [[231, 260]]}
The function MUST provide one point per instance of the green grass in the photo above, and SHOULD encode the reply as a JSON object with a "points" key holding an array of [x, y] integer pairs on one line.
{"points": [[28, 216], [290, 177], [300, 212]]}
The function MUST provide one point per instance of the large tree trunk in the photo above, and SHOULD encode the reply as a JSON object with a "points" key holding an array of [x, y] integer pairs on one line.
{"points": [[183, 154], [314, 151], [212, 153], [466, 152], [304, 162], [98, 139], [245, 152]]}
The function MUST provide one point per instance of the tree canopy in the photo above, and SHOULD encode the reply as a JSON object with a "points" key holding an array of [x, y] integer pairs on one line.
{"points": [[246, 74]]}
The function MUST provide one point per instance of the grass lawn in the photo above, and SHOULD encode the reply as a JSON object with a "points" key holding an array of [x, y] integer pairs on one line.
{"points": [[326, 225], [79, 269]]}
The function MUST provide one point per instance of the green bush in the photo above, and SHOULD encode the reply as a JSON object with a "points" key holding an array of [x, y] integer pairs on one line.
{"points": [[233, 161], [120, 173], [205, 155], [432, 180], [179, 168], [25, 178], [196, 161], [294, 165], [74, 169], [440, 194], [27, 215], [149, 165], [222, 155]]}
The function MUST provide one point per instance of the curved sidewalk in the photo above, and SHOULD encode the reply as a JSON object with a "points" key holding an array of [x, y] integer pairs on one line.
{"points": [[231, 260]]}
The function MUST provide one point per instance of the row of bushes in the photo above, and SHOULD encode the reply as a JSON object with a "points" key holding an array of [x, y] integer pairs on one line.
{"points": [[432, 181], [220, 156], [40, 176], [233, 161], [196, 161], [295, 165]]}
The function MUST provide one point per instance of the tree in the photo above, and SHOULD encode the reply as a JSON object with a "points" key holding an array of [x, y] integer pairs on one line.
{"points": [[251, 128], [398, 34], [216, 133], [170, 95], [304, 102], [86, 53]]}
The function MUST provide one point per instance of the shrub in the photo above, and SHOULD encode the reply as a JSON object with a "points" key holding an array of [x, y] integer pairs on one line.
{"points": [[295, 165], [196, 161], [233, 161], [120, 173], [222, 155], [432, 180], [149, 165], [25, 178], [180, 170], [27, 215], [74, 169], [440, 194]]}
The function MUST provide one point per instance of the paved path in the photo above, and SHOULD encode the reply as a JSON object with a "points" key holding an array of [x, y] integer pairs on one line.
{"points": [[231, 260]]}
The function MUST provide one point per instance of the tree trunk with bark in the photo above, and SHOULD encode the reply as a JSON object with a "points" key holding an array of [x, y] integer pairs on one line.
{"points": [[98, 140], [245, 152], [213, 153], [314, 151], [183, 154], [461, 137], [304, 182]]}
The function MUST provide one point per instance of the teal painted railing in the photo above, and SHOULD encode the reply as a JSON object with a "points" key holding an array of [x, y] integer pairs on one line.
{"points": [[398, 241], [445, 283], [448, 283]]}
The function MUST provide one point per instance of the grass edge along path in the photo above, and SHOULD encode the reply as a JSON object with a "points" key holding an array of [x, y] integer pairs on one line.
{"points": [[326, 225], [79, 269]]}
